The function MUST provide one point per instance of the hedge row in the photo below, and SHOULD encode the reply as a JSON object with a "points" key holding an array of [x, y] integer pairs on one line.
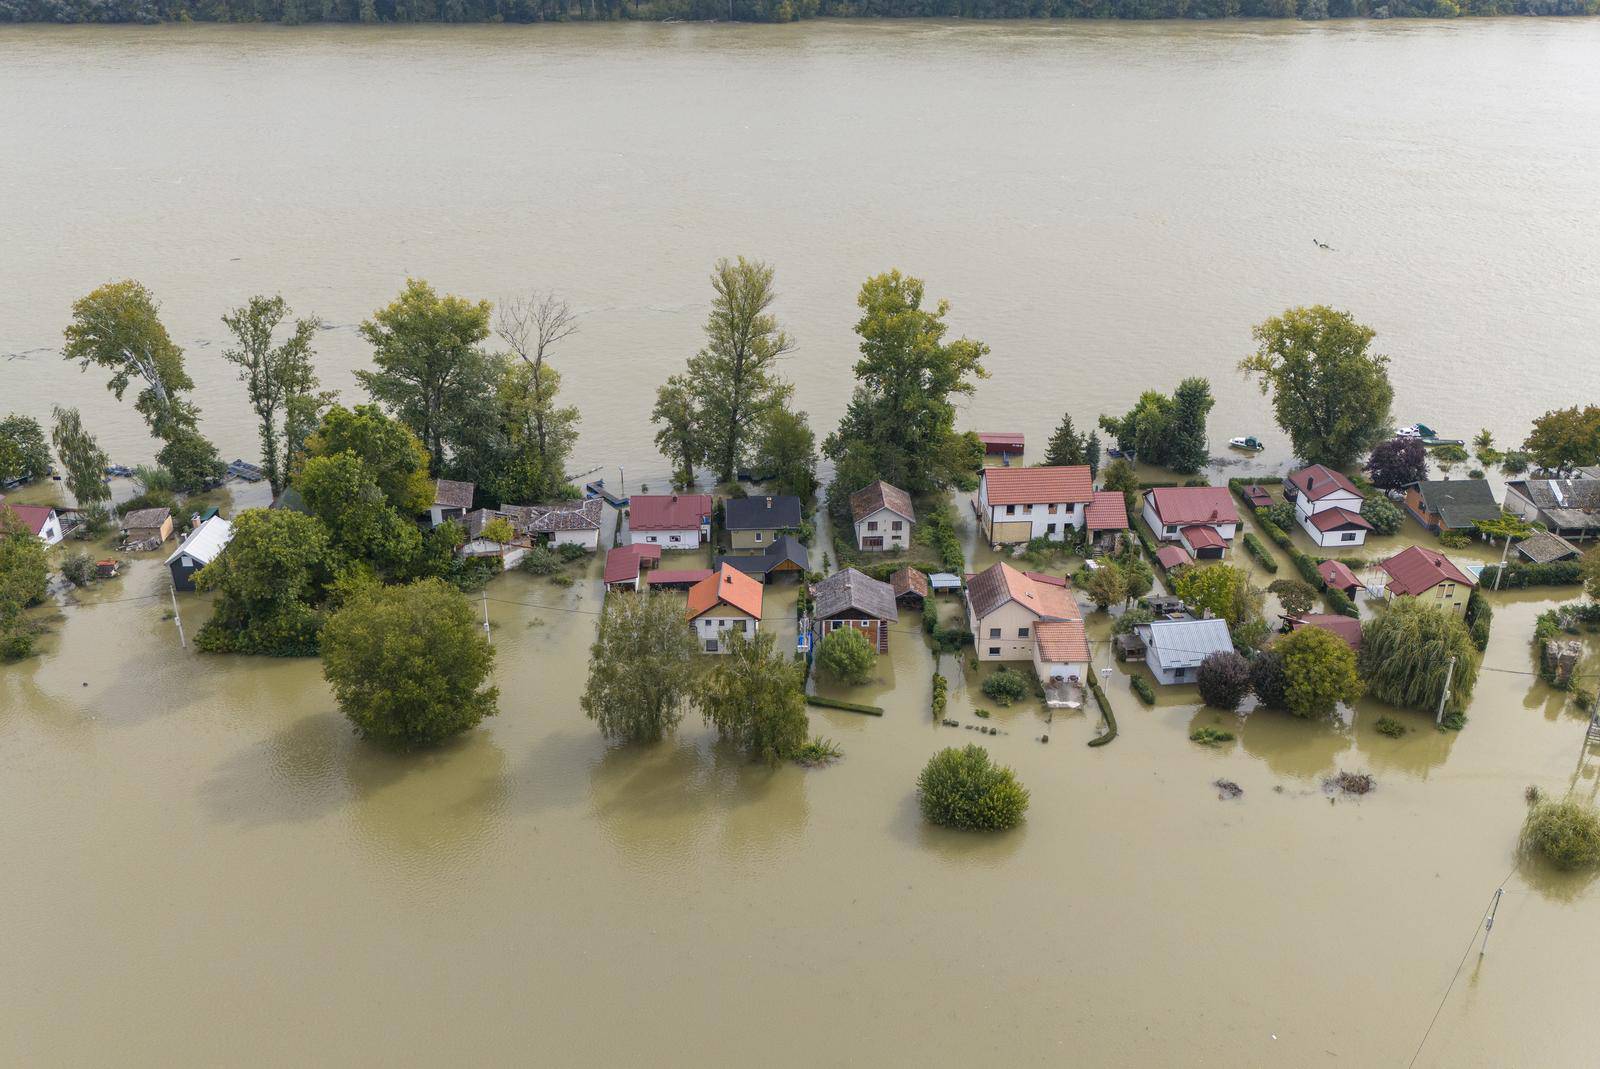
{"points": [[849, 707], [1259, 552], [1478, 617], [1560, 573], [1104, 703], [1305, 565], [1141, 687]]}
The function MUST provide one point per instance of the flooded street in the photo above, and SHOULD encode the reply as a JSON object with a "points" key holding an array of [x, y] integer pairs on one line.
{"points": [[204, 866]]}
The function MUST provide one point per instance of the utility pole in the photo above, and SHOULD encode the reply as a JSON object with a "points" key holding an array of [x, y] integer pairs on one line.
{"points": [[1488, 925], [622, 482], [1444, 695], [1500, 573], [177, 617], [486, 636]]}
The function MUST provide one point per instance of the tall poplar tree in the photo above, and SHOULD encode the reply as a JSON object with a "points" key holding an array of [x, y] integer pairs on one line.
{"points": [[279, 379]]}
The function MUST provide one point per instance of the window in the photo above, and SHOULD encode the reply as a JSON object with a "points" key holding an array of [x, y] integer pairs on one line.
{"points": [[833, 625], [1022, 632], [744, 627], [1348, 536], [1011, 510], [872, 525], [674, 538], [649, 538], [758, 536], [1171, 528], [1052, 511], [994, 651], [1050, 529], [895, 525], [994, 632]]}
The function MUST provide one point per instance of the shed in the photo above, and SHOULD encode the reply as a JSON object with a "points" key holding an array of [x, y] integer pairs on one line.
{"points": [[1176, 647], [1001, 442], [944, 583], [204, 545], [1258, 496], [910, 586], [1338, 575], [147, 527], [1543, 547], [852, 599], [786, 556]]}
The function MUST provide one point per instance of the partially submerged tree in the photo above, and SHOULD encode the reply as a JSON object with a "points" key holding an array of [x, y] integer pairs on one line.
{"points": [[1319, 670], [755, 697], [846, 655], [1296, 597], [280, 379], [1268, 681], [964, 789], [362, 526], [674, 414], [431, 371], [409, 664], [1383, 514], [270, 579], [640, 668], [85, 462], [1566, 833], [1565, 439], [786, 453], [1066, 446], [1397, 463], [24, 453], [1224, 679], [1223, 589], [390, 452], [1448, 456], [1188, 451], [1406, 652], [1331, 395], [24, 581], [1106, 585], [543, 433]]}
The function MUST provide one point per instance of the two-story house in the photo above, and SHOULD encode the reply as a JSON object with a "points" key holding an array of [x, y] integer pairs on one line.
{"points": [[725, 602], [754, 523], [1006, 610], [1328, 507], [672, 521], [1430, 577], [1017, 505], [883, 517], [1202, 519]]}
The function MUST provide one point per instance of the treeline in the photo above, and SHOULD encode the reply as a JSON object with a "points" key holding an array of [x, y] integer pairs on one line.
{"points": [[295, 12]]}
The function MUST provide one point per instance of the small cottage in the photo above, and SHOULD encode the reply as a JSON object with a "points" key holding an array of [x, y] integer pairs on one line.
{"points": [[1451, 504], [42, 520], [910, 587], [1544, 547], [755, 523], [1328, 506], [1175, 648], [147, 528], [1002, 443], [1346, 627], [1338, 576], [1428, 576], [626, 565], [1106, 518], [510, 553], [883, 517], [1569, 508], [565, 523], [451, 501], [725, 602], [851, 599], [672, 521], [203, 545]]}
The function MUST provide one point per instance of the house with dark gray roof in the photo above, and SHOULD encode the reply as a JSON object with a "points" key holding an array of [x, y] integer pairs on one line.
{"points": [[786, 556], [756, 522], [851, 599], [1451, 504], [1567, 507]]}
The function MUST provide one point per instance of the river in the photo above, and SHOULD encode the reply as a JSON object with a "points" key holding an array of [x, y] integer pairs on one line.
{"points": [[203, 866]]}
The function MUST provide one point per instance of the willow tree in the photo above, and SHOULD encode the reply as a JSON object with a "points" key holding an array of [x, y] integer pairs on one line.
{"points": [[641, 667], [1406, 653], [755, 697], [83, 459]]}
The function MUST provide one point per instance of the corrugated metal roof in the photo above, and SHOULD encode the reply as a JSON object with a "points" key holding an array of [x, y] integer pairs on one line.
{"points": [[1185, 643]]}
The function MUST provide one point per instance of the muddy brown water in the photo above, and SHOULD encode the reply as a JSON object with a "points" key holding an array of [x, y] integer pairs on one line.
{"points": [[204, 866]]}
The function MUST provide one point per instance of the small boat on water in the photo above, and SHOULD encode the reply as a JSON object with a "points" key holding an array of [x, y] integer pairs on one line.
{"points": [[1249, 443], [1426, 435]]}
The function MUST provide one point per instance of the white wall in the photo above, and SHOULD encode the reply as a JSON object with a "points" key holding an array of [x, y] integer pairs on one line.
{"points": [[1062, 669], [50, 533], [885, 520], [589, 540], [716, 627], [687, 539]]}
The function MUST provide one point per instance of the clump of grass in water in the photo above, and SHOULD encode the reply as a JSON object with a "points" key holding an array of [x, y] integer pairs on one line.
{"points": [[1388, 725], [1210, 736], [818, 752]]}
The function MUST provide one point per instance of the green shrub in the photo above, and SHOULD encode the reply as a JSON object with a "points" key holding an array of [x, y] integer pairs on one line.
{"points": [[963, 789], [930, 616], [951, 639], [1519, 576], [1106, 712], [562, 580], [78, 568], [1388, 725], [1479, 614], [819, 751], [1210, 736], [1005, 686], [150, 499], [1340, 602], [1281, 515], [1383, 514], [941, 695], [571, 551], [846, 655], [1224, 679], [1141, 687], [1583, 697], [1131, 619], [1453, 721], [539, 561], [1455, 539], [1566, 833], [936, 528], [1253, 545], [1306, 567]]}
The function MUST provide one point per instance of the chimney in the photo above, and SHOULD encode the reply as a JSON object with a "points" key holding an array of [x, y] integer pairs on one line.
{"points": [[769, 502], [1311, 480]]}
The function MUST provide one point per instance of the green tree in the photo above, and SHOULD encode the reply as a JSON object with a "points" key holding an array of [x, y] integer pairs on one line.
{"points": [[1331, 395], [1188, 450], [1319, 670], [846, 655], [734, 379], [1405, 654], [409, 664], [279, 379], [641, 668], [786, 453], [1106, 585], [1295, 596], [1268, 680], [24, 453], [1566, 833], [1515, 462], [755, 697], [1091, 453], [1448, 456], [269, 580], [1224, 679], [1141, 579], [391, 453], [1565, 438], [341, 492], [1066, 446], [677, 439], [1384, 515], [498, 530], [1483, 448], [903, 408], [85, 462], [431, 370], [964, 789], [1223, 589], [24, 581], [541, 431], [1397, 463], [192, 459], [1123, 476], [1146, 429]]}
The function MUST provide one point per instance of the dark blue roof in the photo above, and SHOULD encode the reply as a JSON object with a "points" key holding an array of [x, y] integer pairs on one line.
{"points": [[761, 513]]}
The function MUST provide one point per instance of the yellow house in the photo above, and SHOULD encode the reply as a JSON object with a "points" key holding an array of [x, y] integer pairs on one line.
{"points": [[1430, 577], [1005, 608]]}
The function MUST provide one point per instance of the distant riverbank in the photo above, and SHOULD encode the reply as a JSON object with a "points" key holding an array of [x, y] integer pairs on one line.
{"points": [[296, 12]]}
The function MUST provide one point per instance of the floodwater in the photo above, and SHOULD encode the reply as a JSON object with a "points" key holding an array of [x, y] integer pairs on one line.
{"points": [[204, 866]]}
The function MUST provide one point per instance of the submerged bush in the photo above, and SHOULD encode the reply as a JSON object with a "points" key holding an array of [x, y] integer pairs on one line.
{"points": [[1006, 686], [963, 789], [1388, 725], [1224, 679], [1567, 834], [1141, 686]]}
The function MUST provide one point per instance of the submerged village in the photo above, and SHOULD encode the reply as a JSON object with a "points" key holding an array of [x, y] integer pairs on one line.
{"points": [[1073, 581]]}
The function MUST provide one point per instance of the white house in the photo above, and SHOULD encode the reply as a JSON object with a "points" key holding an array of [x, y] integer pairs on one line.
{"points": [[671, 521], [883, 517], [451, 500], [42, 520], [1017, 505], [1175, 648], [1328, 506], [1202, 519], [724, 602], [203, 545]]}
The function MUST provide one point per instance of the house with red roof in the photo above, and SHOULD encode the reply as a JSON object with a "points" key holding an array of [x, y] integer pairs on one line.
{"points": [[672, 521], [724, 602], [1327, 506], [1202, 519], [1338, 576], [1346, 627], [1017, 505], [625, 565], [42, 520], [1020, 616], [1430, 577], [1106, 516]]}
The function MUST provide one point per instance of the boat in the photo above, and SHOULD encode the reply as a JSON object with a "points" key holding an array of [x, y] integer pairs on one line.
{"points": [[1426, 435], [1249, 442], [1120, 454]]}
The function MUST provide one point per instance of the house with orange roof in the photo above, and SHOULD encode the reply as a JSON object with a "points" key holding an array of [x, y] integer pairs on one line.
{"points": [[1017, 505], [1013, 615], [724, 602]]}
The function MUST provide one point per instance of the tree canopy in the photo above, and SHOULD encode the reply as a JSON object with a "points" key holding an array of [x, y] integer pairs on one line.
{"points": [[1224, 679], [1397, 463], [24, 581], [269, 580], [1066, 446], [1319, 670], [85, 462], [409, 664], [786, 453], [1565, 438], [1223, 589], [362, 526], [1330, 393], [640, 668], [846, 655], [755, 697], [390, 452], [1406, 651], [965, 789], [24, 453], [279, 379]]}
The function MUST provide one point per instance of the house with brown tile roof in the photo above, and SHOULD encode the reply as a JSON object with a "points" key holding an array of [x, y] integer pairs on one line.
{"points": [[451, 501], [910, 587], [1175, 512], [850, 598], [1327, 506], [1017, 505], [883, 517], [149, 528], [1004, 607], [726, 601], [1430, 577]]}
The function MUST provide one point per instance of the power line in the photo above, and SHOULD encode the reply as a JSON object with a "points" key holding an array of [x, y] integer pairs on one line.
{"points": [[1473, 938]]}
